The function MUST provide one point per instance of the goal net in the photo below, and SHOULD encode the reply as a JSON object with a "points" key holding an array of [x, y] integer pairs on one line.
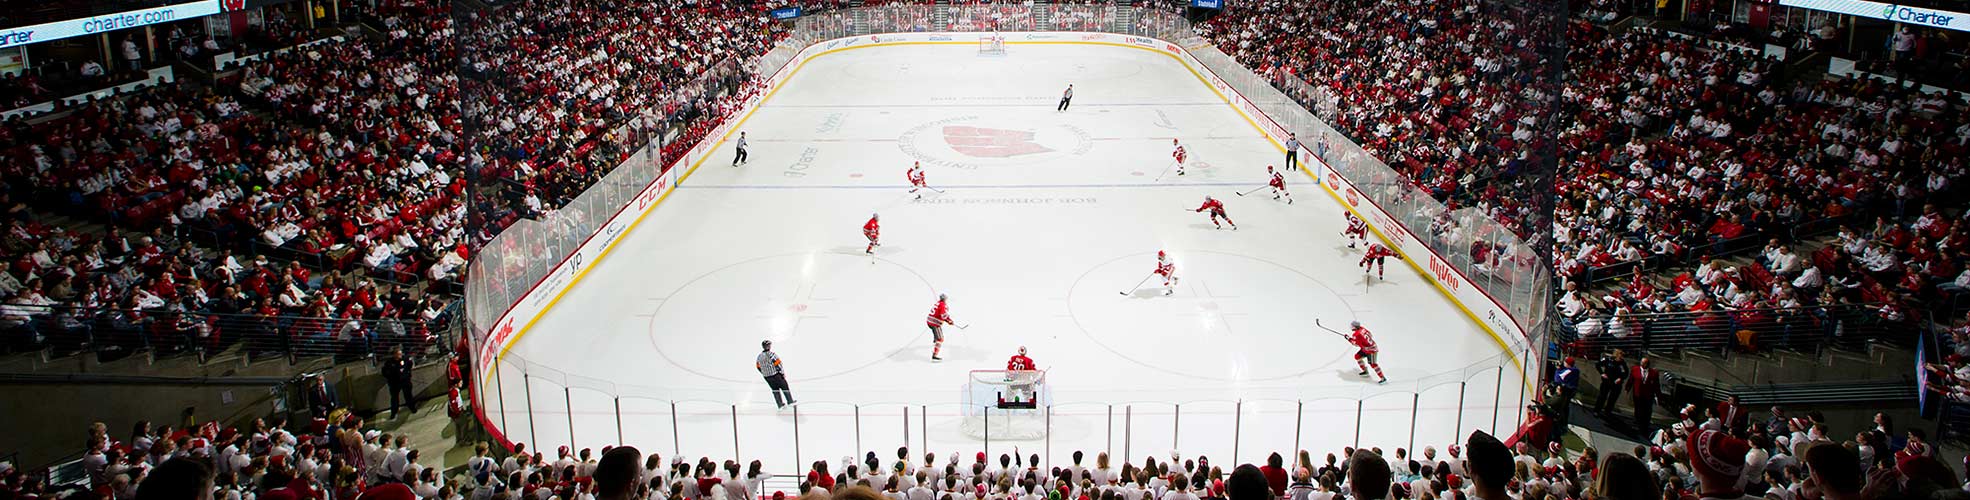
{"points": [[991, 44], [1006, 404]]}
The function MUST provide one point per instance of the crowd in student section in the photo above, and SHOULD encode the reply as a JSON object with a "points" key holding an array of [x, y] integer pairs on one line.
{"points": [[1722, 453], [348, 156]]}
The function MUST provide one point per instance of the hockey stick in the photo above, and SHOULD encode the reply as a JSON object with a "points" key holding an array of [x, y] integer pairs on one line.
{"points": [[963, 326], [1138, 284], [1254, 190], [1166, 170], [1316, 322], [939, 191]]}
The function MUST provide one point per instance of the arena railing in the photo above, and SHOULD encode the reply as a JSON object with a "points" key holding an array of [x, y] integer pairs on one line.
{"points": [[1512, 274], [114, 333], [535, 255], [525, 253], [1800, 329], [545, 408]]}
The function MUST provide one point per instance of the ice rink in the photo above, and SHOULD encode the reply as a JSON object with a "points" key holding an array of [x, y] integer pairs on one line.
{"points": [[1046, 217]]}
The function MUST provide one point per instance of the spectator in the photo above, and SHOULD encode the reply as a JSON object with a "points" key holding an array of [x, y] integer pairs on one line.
{"points": [[616, 476], [177, 479], [1835, 470], [397, 374], [1275, 474], [1302, 487], [1623, 477], [1249, 483], [1490, 465], [1368, 476], [1718, 459], [1643, 385]]}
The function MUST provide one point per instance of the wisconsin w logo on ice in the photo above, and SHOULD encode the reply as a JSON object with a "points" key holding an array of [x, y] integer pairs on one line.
{"points": [[970, 142], [985, 142]]}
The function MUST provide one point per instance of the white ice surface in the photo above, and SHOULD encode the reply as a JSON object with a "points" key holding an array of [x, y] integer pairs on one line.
{"points": [[1033, 250]]}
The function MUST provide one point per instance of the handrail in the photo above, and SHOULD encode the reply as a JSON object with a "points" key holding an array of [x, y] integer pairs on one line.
{"points": [[1808, 328], [106, 332]]}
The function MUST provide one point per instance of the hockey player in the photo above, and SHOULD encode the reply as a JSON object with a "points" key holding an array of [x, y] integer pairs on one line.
{"points": [[1179, 154], [1168, 270], [1357, 230], [1217, 212], [1278, 183], [1366, 353], [872, 231], [1374, 259], [916, 179], [940, 315], [1020, 361]]}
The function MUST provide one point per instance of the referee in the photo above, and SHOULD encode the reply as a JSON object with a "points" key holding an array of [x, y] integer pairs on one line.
{"points": [[1066, 98], [1293, 152], [776, 378], [740, 158]]}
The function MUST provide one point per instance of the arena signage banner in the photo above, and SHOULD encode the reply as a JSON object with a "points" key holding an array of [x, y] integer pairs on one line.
{"points": [[785, 14], [1888, 12], [105, 23]]}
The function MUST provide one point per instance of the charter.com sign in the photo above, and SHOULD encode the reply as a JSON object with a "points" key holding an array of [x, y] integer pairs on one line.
{"points": [[1888, 12], [57, 30]]}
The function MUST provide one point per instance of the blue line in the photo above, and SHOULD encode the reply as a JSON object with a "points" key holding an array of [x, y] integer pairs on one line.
{"points": [[1254, 183]]}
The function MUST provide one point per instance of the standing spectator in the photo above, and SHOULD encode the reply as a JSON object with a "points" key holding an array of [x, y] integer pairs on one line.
{"points": [[1066, 98], [1368, 476], [1718, 460], [769, 366], [132, 58], [740, 157], [1293, 151], [1567, 381], [1614, 371], [1643, 384], [321, 399], [1490, 466], [396, 372], [1732, 414]]}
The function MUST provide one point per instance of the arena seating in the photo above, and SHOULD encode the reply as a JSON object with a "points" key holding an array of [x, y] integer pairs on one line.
{"points": [[1678, 155], [343, 156], [337, 455]]}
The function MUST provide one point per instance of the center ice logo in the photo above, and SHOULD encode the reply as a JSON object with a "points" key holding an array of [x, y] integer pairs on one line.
{"points": [[985, 142], [970, 142]]}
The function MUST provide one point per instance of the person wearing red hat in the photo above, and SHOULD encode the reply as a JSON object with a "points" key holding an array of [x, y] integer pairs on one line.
{"points": [[1718, 459], [387, 491]]}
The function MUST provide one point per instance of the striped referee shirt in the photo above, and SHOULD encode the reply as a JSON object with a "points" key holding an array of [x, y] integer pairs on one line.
{"points": [[767, 363]]}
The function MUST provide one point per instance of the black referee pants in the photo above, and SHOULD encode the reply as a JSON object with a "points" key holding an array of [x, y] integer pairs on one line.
{"points": [[1064, 101], [778, 382]]}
